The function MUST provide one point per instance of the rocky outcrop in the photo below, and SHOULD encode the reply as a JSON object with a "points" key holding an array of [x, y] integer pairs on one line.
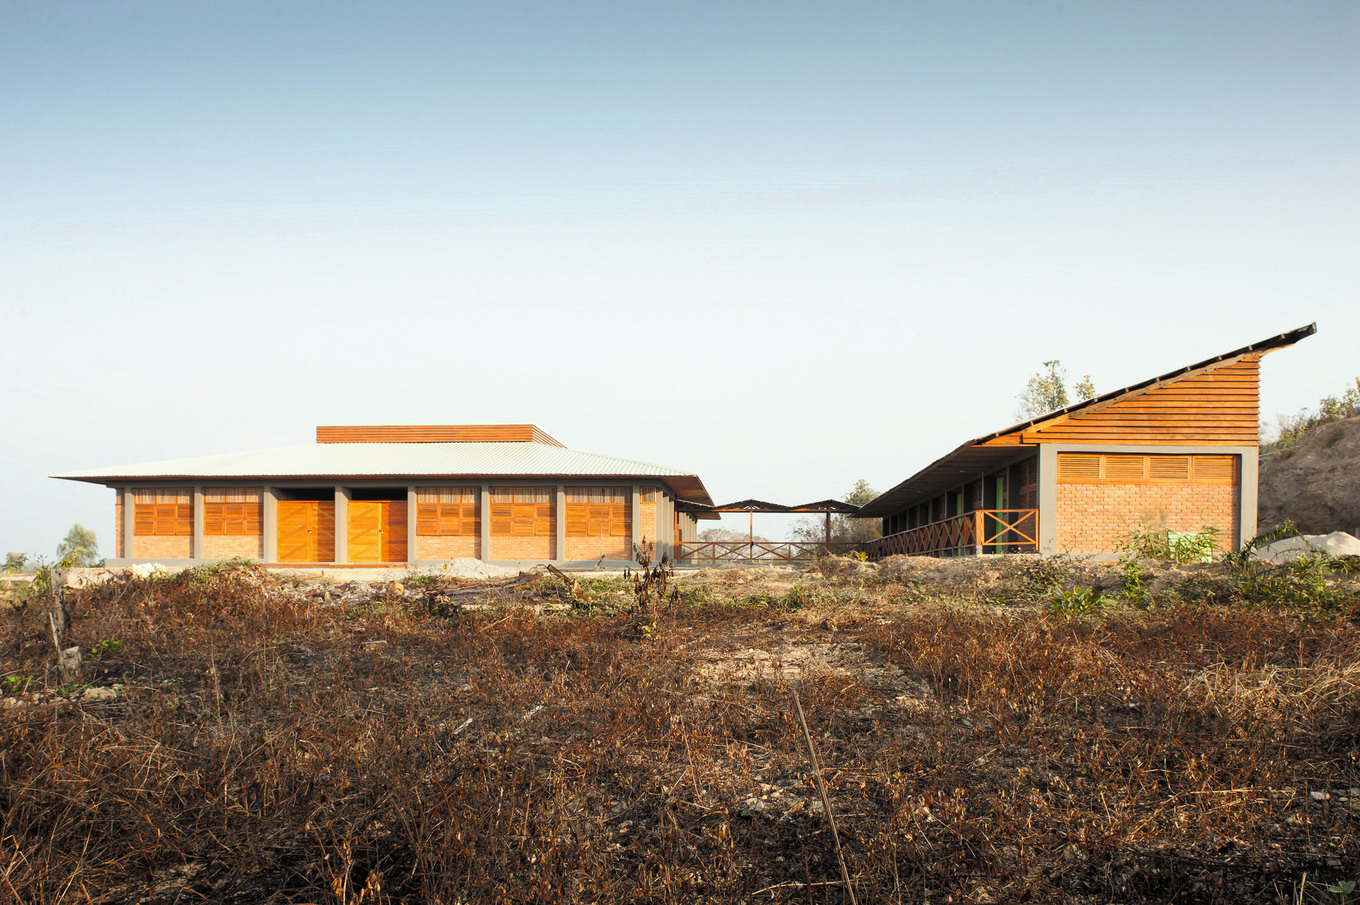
{"points": [[1316, 484]]}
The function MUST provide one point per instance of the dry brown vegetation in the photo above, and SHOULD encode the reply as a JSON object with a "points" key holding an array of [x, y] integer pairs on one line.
{"points": [[271, 743]]}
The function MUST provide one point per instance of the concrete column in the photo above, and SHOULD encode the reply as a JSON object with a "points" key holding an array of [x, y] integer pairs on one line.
{"points": [[1048, 499], [560, 523], [411, 523], [270, 511], [484, 521], [635, 501], [1249, 471], [342, 498], [665, 524], [129, 526], [198, 523]]}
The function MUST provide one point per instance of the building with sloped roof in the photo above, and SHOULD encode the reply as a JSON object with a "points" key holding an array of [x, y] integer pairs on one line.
{"points": [[1175, 453], [399, 495]]}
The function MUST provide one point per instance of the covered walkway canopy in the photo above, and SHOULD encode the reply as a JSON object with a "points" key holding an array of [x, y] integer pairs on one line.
{"points": [[824, 507]]}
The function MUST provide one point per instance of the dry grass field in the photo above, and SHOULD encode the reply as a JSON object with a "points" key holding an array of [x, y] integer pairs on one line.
{"points": [[989, 731]]}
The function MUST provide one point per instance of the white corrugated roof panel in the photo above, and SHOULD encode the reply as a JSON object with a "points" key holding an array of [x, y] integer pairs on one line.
{"points": [[393, 460]]}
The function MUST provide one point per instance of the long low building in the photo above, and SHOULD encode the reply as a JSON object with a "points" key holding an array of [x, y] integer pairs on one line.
{"points": [[401, 495], [1177, 453]]}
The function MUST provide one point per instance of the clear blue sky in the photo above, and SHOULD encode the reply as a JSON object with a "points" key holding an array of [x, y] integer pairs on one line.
{"points": [[785, 245]]}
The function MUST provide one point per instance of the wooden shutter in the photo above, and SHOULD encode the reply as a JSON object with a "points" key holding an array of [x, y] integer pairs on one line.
{"points": [[522, 511], [1215, 470], [1125, 469], [163, 512], [1078, 468], [1028, 483], [598, 512], [1169, 469]]}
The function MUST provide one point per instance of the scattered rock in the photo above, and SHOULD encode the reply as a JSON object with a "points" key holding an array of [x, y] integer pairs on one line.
{"points": [[1338, 543]]}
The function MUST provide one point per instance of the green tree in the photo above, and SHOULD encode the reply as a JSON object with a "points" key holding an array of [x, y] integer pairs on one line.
{"points": [[844, 529], [15, 563], [79, 548], [1047, 392]]}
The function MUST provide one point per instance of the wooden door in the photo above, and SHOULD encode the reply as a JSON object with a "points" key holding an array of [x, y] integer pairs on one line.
{"points": [[394, 531], [365, 530], [377, 531], [306, 531]]}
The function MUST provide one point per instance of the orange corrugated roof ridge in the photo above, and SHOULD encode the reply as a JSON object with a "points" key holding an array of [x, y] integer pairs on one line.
{"points": [[434, 433]]}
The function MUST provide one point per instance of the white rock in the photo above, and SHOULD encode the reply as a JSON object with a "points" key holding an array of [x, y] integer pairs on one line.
{"points": [[1338, 543]]}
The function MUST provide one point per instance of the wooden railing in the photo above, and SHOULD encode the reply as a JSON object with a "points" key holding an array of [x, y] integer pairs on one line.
{"points": [[761, 551], [970, 534]]}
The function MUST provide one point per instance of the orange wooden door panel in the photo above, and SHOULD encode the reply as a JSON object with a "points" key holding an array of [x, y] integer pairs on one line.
{"points": [[325, 531], [365, 531], [306, 531], [394, 531], [297, 531], [377, 531]]}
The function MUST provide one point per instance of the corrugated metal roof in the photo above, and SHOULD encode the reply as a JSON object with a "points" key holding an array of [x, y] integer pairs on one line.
{"points": [[399, 460]]}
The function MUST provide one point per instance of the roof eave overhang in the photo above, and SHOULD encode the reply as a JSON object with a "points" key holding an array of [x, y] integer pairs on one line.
{"points": [[969, 462], [685, 487]]}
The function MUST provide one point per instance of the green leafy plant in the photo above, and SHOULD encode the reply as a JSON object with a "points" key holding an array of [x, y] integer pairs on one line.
{"points": [[105, 647], [1345, 889], [1159, 542], [17, 684], [1133, 580], [1077, 602]]}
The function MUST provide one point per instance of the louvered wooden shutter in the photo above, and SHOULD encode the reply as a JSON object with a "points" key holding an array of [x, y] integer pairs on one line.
{"points": [[1125, 469], [1215, 470], [1078, 468], [1169, 469]]}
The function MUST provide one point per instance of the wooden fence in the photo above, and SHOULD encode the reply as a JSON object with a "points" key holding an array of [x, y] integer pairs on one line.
{"points": [[970, 534], [761, 551]]}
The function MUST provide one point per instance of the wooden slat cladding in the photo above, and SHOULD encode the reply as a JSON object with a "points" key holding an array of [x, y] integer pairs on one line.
{"points": [[1215, 407], [522, 512], [434, 433], [599, 512], [1121, 468]]}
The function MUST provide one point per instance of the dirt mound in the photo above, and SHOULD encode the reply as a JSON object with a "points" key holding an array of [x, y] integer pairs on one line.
{"points": [[1316, 484]]}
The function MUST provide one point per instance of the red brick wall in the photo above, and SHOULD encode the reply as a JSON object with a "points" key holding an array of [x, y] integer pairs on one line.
{"points": [[536, 548], [646, 524], [157, 546], [227, 546], [592, 548], [1094, 518], [449, 546]]}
